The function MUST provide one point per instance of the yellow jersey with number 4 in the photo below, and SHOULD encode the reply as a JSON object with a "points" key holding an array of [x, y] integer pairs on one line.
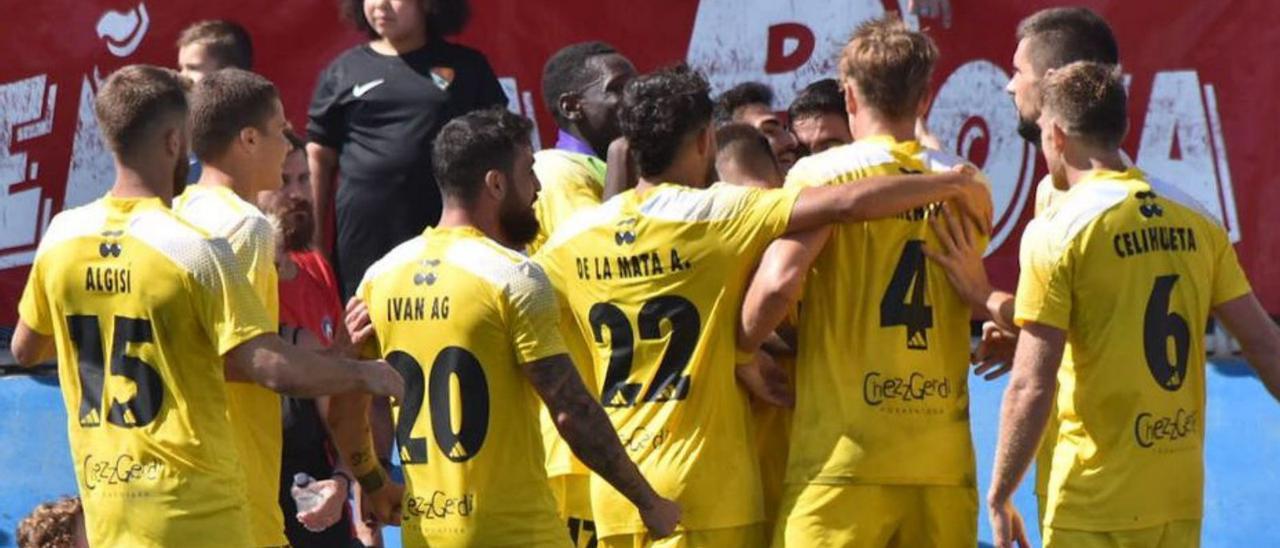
{"points": [[1130, 268], [653, 281], [457, 315], [254, 410], [883, 359], [142, 306]]}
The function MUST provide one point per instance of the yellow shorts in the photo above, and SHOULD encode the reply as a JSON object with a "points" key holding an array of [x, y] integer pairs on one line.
{"points": [[573, 505], [877, 516], [1174, 534], [747, 536]]}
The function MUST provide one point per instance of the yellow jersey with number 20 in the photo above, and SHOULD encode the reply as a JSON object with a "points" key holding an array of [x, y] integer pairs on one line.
{"points": [[654, 281], [142, 306], [458, 315], [1130, 268]]}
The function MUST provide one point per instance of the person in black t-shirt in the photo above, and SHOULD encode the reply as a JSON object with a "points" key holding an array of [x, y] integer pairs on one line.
{"points": [[375, 112]]}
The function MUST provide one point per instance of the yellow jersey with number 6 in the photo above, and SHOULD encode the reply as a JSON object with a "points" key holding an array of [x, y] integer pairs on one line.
{"points": [[653, 282], [142, 306], [1130, 268], [883, 359], [458, 315]]}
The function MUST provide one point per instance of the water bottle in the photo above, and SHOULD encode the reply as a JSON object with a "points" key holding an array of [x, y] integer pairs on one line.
{"points": [[303, 496]]}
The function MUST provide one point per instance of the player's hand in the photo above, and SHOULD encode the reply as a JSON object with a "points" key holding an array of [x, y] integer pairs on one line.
{"points": [[359, 325], [383, 380], [621, 171], [974, 200], [766, 381], [383, 505], [960, 256], [660, 517], [1007, 526], [333, 494], [994, 356], [929, 9]]}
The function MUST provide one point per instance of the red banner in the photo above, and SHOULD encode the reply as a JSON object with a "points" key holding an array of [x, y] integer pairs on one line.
{"points": [[1200, 93]]}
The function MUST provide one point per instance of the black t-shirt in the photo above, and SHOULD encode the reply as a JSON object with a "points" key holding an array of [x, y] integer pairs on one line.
{"points": [[381, 113]]}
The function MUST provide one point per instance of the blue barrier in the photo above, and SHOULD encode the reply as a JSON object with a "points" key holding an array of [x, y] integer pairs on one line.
{"points": [[1242, 423]]}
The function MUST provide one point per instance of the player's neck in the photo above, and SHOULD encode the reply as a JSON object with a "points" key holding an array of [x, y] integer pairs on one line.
{"points": [[683, 171], [219, 175], [461, 217], [134, 183], [872, 125], [1079, 167]]}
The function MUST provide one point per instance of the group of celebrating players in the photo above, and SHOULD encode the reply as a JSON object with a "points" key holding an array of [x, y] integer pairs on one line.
{"points": [[599, 338]]}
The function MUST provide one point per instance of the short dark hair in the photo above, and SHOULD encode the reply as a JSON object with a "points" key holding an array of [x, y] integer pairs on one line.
{"points": [[567, 71], [226, 41], [444, 17], [225, 102], [741, 95], [661, 108], [822, 97], [134, 101], [1090, 101], [1060, 36], [472, 144], [891, 65], [746, 145], [296, 142]]}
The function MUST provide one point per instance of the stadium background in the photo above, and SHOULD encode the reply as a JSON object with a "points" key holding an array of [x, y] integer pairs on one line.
{"points": [[1201, 110]]}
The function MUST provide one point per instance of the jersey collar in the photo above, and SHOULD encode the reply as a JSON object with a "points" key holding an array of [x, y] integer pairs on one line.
{"points": [[907, 148]]}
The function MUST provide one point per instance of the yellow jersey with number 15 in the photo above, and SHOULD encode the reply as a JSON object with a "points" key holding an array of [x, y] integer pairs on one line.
{"points": [[458, 315], [1130, 268], [654, 281], [142, 306], [883, 360], [254, 410]]}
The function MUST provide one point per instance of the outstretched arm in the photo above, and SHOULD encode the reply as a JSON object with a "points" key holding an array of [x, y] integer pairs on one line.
{"points": [[282, 368], [777, 284], [883, 196], [586, 428]]}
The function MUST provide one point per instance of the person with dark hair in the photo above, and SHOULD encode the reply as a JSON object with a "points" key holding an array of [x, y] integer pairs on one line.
{"points": [[581, 85], [374, 114], [493, 316], [209, 46], [743, 157], [752, 103], [662, 268], [1117, 282], [819, 118], [880, 470], [213, 45], [124, 280]]}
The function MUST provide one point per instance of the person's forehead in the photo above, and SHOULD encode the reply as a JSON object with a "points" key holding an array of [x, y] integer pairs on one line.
{"points": [[825, 121], [756, 114]]}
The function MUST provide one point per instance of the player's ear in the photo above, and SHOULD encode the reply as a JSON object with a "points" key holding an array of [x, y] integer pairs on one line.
{"points": [[249, 136], [1057, 136], [850, 97], [570, 105], [495, 184], [175, 142]]}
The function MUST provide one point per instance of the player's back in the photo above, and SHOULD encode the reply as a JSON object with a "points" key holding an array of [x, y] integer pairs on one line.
{"points": [[254, 410], [447, 307], [570, 181], [883, 340], [654, 281], [1130, 268], [136, 300]]}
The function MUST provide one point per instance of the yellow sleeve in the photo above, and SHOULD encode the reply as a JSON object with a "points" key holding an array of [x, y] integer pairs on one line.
{"points": [[1044, 283], [33, 309], [254, 244], [1229, 281], [230, 310], [754, 218], [372, 347], [533, 318]]}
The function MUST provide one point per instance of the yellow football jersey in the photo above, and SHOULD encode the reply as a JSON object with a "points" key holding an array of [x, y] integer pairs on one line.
{"points": [[141, 306], [1130, 268], [883, 361], [457, 314], [570, 182], [254, 411], [654, 280]]}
